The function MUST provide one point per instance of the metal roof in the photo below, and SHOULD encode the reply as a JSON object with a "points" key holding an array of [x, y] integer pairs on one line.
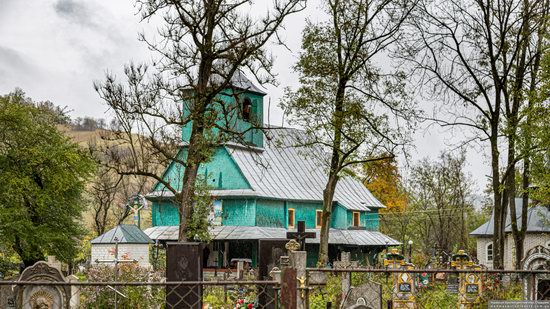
{"points": [[538, 220], [288, 170], [336, 236], [285, 169], [126, 234], [240, 80]]}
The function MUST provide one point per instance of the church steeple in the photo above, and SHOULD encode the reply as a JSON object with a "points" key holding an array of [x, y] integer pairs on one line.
{"points": [[240, 109]]}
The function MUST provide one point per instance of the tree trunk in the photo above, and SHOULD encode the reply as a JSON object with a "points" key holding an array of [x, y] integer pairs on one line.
{"points": [[499, 217], [328, 196], [193, 161], [335, 165]]}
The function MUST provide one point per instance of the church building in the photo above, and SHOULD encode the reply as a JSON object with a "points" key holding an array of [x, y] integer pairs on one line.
{"points": [[263, 187]]}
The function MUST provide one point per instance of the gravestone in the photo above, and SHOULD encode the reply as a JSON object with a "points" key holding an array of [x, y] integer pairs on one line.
{"points": [[368, 295], [42, 296], [270, 252], [184, 263], [7, 297]]}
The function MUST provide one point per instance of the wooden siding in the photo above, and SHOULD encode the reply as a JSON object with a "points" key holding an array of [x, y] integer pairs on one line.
{"points": [[271, 213], [221, 173], [239, 212], [236, 123]]}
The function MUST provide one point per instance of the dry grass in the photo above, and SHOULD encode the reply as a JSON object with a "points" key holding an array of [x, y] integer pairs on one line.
{"points": [[84, 139]]}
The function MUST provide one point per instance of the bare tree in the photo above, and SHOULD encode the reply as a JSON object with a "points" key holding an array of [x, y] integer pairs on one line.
{"points": [[109, 194], [202, 47], [345, 103], [472, 56], [439, 195]]}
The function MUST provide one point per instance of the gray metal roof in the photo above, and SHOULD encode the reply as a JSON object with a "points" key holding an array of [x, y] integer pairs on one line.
{"points": [[336, 236], [239, 80], [126, 234], [289, 171], [538, 220]]}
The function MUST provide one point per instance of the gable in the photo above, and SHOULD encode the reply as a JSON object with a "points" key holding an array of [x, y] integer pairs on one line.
{"points": [[220, 173]]}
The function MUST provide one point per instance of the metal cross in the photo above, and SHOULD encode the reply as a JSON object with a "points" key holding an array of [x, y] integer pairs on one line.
{"points": [[300, 235], [116, 261]]}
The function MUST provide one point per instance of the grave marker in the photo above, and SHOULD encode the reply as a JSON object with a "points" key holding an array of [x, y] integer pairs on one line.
{"points": [[300, 235], [42, 296], [403, 283], [469, 284], [269, 263], [184, 263], [115, 261]]}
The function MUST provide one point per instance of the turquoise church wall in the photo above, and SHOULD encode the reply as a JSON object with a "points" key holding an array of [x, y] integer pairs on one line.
{"points": [[339, 218], [267, 213], [239, 212], [270, 213], [232, 119], [221, 172], [164, 213], [371, 220], [304, 212]]}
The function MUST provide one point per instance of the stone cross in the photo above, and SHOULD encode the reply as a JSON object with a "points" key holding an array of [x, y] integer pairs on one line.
{"points": [[300, 235]]}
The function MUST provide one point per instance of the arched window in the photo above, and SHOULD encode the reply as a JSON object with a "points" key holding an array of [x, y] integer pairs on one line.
{"points": [[247, 109], [489, 252]]}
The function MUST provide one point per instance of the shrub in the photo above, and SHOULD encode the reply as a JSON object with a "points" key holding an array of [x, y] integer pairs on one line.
{"points": [[136, 296]]}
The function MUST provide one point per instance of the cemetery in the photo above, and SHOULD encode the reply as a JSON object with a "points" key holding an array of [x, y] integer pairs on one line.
{"points": [[284, 154], [349, 283]]}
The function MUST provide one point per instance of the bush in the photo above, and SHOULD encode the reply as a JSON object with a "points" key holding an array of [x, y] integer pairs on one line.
{"points": [[136, 296]]}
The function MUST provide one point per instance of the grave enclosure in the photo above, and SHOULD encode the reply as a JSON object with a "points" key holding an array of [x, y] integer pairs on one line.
{"points": [[284, 281]]}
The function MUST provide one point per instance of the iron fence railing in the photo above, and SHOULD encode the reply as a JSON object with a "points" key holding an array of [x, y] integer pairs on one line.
{"points": [[188, 294], [427, 288]]}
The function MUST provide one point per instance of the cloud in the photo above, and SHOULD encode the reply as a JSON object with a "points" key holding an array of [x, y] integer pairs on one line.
{"points": [[11, 59], [76, 12]]}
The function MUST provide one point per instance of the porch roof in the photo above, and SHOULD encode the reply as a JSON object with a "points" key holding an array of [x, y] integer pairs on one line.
{"points": [[336, 236]]}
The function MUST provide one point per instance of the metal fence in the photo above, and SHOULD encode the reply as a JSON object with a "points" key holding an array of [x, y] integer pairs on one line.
{"points": [[427, 288], [324, 288], [228, 294]]}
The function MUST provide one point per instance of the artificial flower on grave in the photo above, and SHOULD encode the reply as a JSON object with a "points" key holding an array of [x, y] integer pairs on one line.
{"points": [[244, 304]]}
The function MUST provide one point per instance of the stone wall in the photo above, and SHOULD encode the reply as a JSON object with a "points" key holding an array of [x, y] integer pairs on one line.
{"points": [[139, 252], [531, 240]]}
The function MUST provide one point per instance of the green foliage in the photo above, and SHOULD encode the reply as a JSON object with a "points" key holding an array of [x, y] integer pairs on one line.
{"points": [[42, 177], [198, 224], [137, 296], [437, 297], [332, 292], [9, 263]]}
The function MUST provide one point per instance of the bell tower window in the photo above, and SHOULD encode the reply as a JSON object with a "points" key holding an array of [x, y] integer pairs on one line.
{"points": [[247, 109]]}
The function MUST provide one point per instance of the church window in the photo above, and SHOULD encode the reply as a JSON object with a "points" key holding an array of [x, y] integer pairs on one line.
{"points": [[247, 109], [291, 218], [356, 219], [318, 218], [489, 252]]}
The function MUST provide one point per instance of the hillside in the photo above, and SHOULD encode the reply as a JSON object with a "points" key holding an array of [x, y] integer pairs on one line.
{"points": [[84, 138]]}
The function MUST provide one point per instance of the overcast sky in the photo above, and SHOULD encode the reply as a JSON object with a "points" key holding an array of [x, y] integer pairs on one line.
{"points": [[55, 49]]}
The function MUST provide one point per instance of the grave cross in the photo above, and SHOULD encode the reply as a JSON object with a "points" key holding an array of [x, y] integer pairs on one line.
{"points": [[300, 235], [116, 261]]}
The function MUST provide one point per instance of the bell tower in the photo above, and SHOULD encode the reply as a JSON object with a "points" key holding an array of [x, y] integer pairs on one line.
{"points": [[240, 109]]}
